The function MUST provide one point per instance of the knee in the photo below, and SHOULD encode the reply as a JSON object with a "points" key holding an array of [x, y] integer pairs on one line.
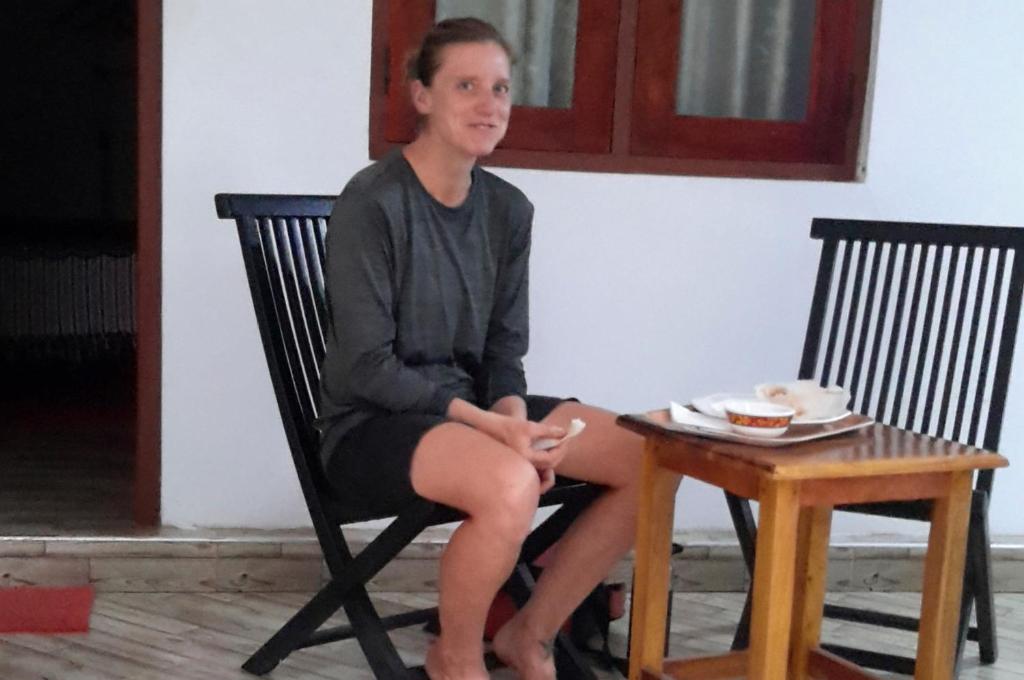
{"points": [[510, 507]]}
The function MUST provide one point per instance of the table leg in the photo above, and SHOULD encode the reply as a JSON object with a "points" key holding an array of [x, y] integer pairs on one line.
{"points": [[943, 579], [652, 568], [809, 586], [773, 580]]}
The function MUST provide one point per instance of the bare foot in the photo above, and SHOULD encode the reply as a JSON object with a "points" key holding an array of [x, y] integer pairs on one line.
{"points": [[528, 655], [444, 666]]}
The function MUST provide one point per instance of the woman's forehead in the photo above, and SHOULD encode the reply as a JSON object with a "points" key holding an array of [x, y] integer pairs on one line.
{"points": [[474, 58]]}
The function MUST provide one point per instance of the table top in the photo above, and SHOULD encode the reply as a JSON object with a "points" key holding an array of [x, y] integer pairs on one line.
{"points": [[875, 450]]}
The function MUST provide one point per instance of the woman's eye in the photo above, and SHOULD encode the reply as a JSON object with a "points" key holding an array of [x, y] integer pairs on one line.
{"points": [[465, 85], [501, 89]]}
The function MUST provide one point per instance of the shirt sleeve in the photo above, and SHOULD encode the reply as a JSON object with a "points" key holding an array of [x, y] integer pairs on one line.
{"points": [[360, 282], [508, 331]]}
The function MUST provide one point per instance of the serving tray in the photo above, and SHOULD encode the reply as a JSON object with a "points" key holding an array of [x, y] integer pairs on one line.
{"points": [[794, 435]]}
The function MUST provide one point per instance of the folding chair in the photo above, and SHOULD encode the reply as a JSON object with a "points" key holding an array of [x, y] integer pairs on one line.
{"points": [[919, 322], [282, 239]]}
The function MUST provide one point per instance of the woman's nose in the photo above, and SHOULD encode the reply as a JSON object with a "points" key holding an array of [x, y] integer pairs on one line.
{"points": [[488, 101]]}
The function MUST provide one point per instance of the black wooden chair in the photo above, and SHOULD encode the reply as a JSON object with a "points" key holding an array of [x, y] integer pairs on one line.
{"points": [[282, 239], [919, 322]]}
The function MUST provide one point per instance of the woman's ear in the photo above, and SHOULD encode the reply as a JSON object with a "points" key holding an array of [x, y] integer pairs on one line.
{"points": [[420, 95]]}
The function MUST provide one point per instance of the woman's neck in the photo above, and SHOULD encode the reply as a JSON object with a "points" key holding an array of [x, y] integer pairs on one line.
{"points": [[445, 177]]}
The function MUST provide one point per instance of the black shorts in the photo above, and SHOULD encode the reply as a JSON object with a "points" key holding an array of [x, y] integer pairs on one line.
{"points": [[369, 467]]}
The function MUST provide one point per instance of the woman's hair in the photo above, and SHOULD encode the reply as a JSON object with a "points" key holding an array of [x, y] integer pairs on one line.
{"points": [[425, 61]]}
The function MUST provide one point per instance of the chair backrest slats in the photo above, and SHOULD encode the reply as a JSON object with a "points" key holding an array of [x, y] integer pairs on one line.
{"points": [[833, 334], [283, 247], [987, 348], [966, 284], [914, 261], [816, 322], [286, 287], [896, 321], [306, 295], [865, 313], [1011, 317], [918, 321], [972, 341], [308, 235], [855, 306], [943, 319], [876, 340]]}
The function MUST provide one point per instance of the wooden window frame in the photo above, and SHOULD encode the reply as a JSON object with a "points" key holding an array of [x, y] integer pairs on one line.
{"points": [[641, 134]]}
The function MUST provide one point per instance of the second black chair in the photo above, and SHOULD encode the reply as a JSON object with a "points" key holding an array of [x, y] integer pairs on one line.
{"points": [[919, 322]]}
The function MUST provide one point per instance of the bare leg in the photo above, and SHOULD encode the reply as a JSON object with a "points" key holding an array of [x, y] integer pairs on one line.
{"points": [[498, 489], [605, 454]]}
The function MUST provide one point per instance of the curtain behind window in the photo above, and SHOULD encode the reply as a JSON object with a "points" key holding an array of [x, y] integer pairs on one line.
{"points": [[745, 58]]}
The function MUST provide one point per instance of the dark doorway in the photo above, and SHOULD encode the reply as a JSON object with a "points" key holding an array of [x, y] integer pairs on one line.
{"points": [[69, 266]]}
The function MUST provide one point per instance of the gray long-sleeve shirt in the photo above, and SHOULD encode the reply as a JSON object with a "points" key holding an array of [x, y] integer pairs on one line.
{"points": [[426, 303]]}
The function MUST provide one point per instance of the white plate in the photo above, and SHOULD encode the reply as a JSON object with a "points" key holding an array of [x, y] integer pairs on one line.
{"points": [[819, 421], [711, 405]]}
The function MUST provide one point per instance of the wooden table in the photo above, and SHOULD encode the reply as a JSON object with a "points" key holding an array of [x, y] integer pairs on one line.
{"points": [[796, 487]]}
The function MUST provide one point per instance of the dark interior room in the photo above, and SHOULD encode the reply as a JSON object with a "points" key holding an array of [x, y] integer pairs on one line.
{"points": [[67, 266]]}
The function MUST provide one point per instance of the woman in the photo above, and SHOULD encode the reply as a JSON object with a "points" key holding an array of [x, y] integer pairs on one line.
{"points": [[423, 386]]}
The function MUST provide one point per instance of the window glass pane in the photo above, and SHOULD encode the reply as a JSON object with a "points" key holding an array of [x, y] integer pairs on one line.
{"points": [[745, 58], [542, 34]]}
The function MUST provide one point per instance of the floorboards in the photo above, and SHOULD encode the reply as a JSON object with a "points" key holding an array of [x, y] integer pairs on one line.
{"points": [[186, 636]]}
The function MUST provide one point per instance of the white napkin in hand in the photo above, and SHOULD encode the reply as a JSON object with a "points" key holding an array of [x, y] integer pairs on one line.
{"points": [[575, 427], [684, 416], [806, 397]]}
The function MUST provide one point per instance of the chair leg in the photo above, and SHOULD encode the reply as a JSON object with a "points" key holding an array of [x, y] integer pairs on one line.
{"points": [[981, 567], [746, 527], [296, 631], [964, 624], [374, 640], [746, 531], [569, 661], [741, 639]]}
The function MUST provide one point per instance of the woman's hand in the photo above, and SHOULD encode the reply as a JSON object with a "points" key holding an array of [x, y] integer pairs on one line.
{"points": [[515, 432], [519, 435], [553, 457]]}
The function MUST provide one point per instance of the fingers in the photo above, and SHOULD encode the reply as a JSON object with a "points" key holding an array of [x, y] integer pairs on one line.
{"points": [[542, 431], [547, 479], [545, 437], [556, 454], [548, 459], [524, 436]]}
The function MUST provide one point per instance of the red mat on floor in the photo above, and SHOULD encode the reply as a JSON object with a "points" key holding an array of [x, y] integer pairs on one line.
{"points": [[45, 610]]}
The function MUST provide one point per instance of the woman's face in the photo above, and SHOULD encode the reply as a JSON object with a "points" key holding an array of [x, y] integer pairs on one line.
{"points": [[467, 105]]}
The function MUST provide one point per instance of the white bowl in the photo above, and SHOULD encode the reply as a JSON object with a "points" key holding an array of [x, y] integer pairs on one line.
{"points": [[756, 418]]}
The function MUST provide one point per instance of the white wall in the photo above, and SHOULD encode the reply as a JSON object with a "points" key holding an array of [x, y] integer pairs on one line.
{"points": [[640, 283]]}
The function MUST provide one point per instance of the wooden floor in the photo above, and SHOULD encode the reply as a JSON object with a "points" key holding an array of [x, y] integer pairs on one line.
{"points": [[191, 636]]}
